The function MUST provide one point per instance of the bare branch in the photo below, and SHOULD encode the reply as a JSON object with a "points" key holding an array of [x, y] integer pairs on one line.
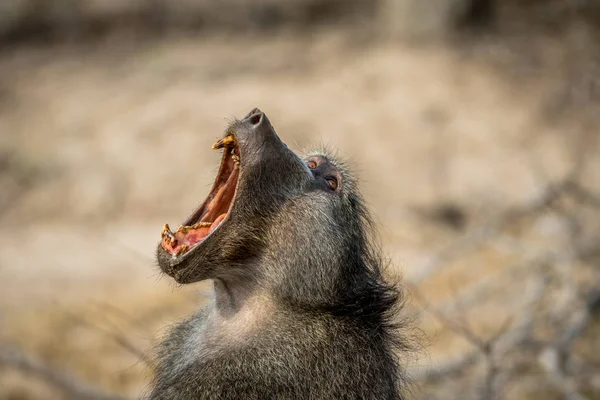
{"points": [[118, 337], [475, 238], [551, 363], [12, 357]]}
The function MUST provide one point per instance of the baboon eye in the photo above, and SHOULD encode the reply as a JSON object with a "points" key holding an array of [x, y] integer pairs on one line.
{"points": [[312, 165], [332, 182]]}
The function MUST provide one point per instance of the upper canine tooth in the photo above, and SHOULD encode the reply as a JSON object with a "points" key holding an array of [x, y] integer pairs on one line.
{"points": [[226, 141]]}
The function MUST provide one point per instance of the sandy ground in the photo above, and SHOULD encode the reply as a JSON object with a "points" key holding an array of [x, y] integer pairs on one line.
{"points": [[105, 144]]}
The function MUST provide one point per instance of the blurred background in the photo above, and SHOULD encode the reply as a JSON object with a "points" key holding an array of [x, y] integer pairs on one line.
{"points": [[473, 125]]}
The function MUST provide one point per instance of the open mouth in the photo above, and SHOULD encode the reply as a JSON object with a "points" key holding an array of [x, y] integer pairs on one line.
{"points": [[214, 210]]}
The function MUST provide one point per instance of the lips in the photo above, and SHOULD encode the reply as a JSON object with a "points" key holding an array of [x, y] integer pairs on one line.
{"points": [[214, 210]]}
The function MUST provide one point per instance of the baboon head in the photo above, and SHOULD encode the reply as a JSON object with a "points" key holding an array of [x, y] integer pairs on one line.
{"points": [[291, 225]]}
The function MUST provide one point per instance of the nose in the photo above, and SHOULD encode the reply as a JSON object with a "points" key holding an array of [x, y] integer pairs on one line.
{"points": [[259, 144], [254, 118], [256, 131]]}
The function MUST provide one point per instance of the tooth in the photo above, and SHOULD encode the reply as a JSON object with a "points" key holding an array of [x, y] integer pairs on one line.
{"points": [[235, 159], [166, 231], [200, 225], [181, 250], [226, 141]]}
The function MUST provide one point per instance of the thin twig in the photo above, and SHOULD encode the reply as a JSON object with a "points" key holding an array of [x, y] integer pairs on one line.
{"points": [[12, 357]]}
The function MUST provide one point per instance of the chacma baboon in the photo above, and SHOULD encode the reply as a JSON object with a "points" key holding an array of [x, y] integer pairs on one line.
{"points": [[300, 308]]}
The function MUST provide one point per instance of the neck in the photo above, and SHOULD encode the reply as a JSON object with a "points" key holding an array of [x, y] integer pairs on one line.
{"points": [[240, 308], [231, 295]]}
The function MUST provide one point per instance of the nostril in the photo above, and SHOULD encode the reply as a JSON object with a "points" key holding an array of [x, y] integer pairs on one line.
{"points": [[252, 112], [256, 118]]}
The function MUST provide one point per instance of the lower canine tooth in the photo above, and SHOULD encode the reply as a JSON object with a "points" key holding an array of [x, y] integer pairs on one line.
{"points": [[166, 231]]}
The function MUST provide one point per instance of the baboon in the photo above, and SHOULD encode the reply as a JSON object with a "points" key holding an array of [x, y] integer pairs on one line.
{"points": [[300, 309]]}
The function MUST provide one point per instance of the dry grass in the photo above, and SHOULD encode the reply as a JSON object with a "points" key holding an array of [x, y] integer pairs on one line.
{"points": [[120, 131]]}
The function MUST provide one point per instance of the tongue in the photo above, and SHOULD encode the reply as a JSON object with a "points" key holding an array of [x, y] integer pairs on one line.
{"points": [[186, 236], [191, 236]]}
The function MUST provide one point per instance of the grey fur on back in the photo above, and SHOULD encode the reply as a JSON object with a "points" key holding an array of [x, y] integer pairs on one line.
{"points": [[301, 310]]}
